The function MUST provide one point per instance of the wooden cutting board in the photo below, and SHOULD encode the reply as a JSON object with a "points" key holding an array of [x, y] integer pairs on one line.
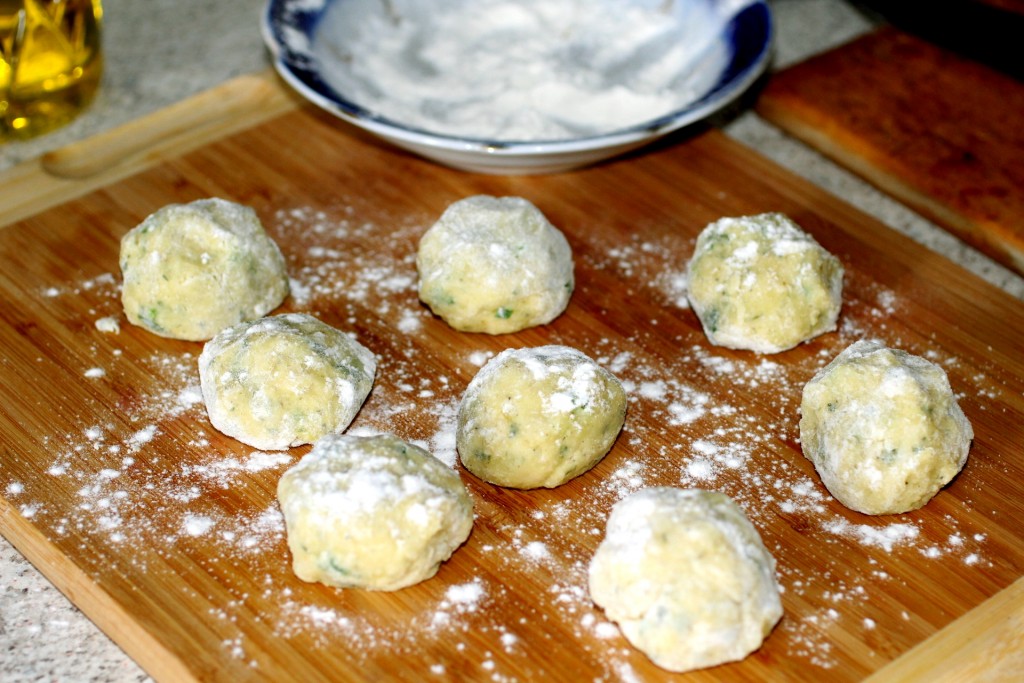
{"points": [[167, 533], [939, 132]]}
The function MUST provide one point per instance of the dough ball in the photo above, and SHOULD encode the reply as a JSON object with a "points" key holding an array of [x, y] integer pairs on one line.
{"points": [[761, 283], [538, 417], [372, 512], [686, 577], [494, 265], [190, 270], [883, 429], [284, 381]]}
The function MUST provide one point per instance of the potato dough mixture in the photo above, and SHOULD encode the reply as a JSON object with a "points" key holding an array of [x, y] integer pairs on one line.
{"points": [[883, 429], [190, 270], [284, 381], [538, 417], [495, 265], [372, 512], [686, 577], [763, 284]]}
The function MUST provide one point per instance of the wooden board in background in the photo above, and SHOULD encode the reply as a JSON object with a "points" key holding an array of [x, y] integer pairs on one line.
{"points": [[167, 533], [939, 132]]}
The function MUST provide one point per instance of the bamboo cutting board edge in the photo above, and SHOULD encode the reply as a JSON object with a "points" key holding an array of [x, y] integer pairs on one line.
{"points": [[989, 642], [79, 588], [53, 191], [947, 149], [79, 168], [1008, 252]]}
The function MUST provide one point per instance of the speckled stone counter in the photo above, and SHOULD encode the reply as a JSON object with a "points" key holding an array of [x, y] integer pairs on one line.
{"points": [[161, 51]]}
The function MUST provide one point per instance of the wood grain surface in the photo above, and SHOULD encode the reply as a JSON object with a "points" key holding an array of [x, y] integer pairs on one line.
{"points": [[83, 166], [168, 536], [939, 132]]}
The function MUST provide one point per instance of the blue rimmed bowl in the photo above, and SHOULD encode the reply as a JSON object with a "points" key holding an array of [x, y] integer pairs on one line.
{"points": [[298, 36]]}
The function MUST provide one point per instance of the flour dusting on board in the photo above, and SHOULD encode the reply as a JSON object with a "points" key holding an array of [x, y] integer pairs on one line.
{"points": [[698, 417]]}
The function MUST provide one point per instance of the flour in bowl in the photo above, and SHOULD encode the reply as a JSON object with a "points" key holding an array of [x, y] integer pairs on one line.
{"points": [[524, 70]]}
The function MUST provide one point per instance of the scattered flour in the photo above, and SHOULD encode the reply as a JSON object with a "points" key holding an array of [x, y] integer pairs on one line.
{"points": [[464, 596], [197, 525], [109, 324], [226, 472], [480, 358], [141, 437], [536, 551], [885, 537], [697, 417]]}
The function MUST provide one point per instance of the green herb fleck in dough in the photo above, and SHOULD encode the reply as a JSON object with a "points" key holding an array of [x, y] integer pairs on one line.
{"points": [[335, 567], [710, 319], [148, 318]]}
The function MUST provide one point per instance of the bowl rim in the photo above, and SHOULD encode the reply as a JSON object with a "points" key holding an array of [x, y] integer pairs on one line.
{"points": [[751, 33]]}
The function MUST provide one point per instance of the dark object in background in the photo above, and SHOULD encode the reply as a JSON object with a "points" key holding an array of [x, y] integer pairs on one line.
{"points": [[987, 31]]}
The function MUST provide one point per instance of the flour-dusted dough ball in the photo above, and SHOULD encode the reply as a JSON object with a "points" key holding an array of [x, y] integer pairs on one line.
{"points": [[372, 512], [761, 283], [883, 429], [686, 577], [284, 381], [538, 417], [495, 265], [190, 270]]}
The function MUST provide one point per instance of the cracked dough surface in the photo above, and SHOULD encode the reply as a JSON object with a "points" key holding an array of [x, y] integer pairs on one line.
{"points": [[538, 417], [686, 577], [494, 265], [190, 270], [372, 512], [284, 380], [763, 284], [883, 428]]}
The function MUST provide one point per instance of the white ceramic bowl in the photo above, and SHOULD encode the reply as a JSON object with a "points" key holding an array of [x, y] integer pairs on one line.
{"points": [[296, 34]]}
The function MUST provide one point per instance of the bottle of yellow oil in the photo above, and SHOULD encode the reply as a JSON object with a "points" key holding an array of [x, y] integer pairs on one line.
{"points": [[50, 63]]}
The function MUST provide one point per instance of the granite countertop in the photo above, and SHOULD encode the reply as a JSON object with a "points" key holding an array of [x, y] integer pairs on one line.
{"points": [[161, 51]]}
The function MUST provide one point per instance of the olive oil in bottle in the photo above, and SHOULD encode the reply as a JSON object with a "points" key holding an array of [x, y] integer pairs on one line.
{"points": [[50, 63]]}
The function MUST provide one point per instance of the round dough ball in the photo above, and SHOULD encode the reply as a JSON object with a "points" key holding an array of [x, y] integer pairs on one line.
{"points": [[494, 265], [372, 512], [883, 429], [761, 283], [284, 381], [190, 270], [538, 417], [686, 577]]}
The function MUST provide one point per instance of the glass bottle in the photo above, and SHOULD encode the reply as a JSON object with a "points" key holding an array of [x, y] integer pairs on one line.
{"points": [[50, 63]]}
